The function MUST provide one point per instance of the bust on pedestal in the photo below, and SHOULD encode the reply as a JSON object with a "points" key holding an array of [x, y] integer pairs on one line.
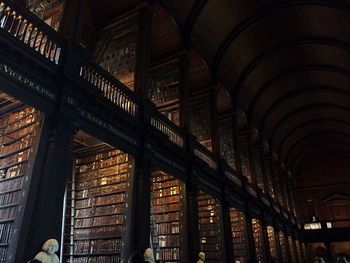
{"points": [[48, 255]]}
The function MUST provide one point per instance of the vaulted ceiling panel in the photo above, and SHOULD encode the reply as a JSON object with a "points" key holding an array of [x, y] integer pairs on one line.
{"points": [[285, 63]]}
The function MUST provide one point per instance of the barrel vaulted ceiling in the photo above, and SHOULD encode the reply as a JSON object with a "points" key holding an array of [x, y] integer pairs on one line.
{"points": [[285, 63]]}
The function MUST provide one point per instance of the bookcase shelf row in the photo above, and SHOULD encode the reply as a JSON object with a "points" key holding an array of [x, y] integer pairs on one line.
{"points": [[17, 132], [96, 203]]}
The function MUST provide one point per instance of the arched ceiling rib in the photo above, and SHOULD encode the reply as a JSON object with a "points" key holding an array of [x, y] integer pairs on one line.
{"points": [[285, 63]]}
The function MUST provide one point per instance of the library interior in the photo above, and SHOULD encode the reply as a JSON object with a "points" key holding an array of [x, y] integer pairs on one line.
{"points": [[168, 131]]}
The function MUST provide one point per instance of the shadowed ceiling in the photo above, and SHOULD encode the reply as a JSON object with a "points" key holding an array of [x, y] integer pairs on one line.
{"points": [[285, 63]]}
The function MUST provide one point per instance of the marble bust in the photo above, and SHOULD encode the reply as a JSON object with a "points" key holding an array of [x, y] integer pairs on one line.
{"points": [[47, 255], [201, 257]]}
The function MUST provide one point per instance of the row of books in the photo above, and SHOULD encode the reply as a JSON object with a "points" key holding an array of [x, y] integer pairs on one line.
{"points": [[8, 213], [98, 221], [96, 232], [100, 210], [98, 259], [164, 208], [17, 145], [15, 158], [16, 116], [166, 192], [9, 198], [164, 254], [111, 161], [107, 153], [102, 181], [272, 241], [97, 246], [100, 200], [101, 190], [166, 240], [5, 232], [156, 200], [11, 185], [13, 171]]}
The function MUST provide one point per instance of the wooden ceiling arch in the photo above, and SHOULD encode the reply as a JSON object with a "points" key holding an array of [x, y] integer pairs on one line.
{"points": [[316, 150], [312, 123], [321, 68]]}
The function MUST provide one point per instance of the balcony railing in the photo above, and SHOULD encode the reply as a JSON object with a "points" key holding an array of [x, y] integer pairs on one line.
{"points": [[30, 30], [205, 155], [167, 127], [110, 88]]}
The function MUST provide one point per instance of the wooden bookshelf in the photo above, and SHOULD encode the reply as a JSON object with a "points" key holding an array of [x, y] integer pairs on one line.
{"points": [[115, 50], [239, 235], [299, 252], [210, 228], [258, 239], [164, 89], [283, 246], [166, 213], [292, 251], [227, 148], [272, 241], [18, 129], [244, 150], [200, 120], [96, 204]]}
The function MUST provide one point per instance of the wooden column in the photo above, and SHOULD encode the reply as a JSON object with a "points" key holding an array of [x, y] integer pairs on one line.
{"points": [[265, 238], [193, 223], [227, 230], [143, 51], [289, 255], [278, 244], [70, 24], [46, 221], [140, 226]]}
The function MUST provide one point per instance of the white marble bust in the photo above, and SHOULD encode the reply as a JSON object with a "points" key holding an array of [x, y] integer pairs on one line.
{"points": [[201, 257], [47, 255]]}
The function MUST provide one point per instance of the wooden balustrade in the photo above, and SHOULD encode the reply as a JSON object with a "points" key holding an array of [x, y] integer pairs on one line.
{"points": [[205, 155], [167, 127], [30, 30], [110, 88]]}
